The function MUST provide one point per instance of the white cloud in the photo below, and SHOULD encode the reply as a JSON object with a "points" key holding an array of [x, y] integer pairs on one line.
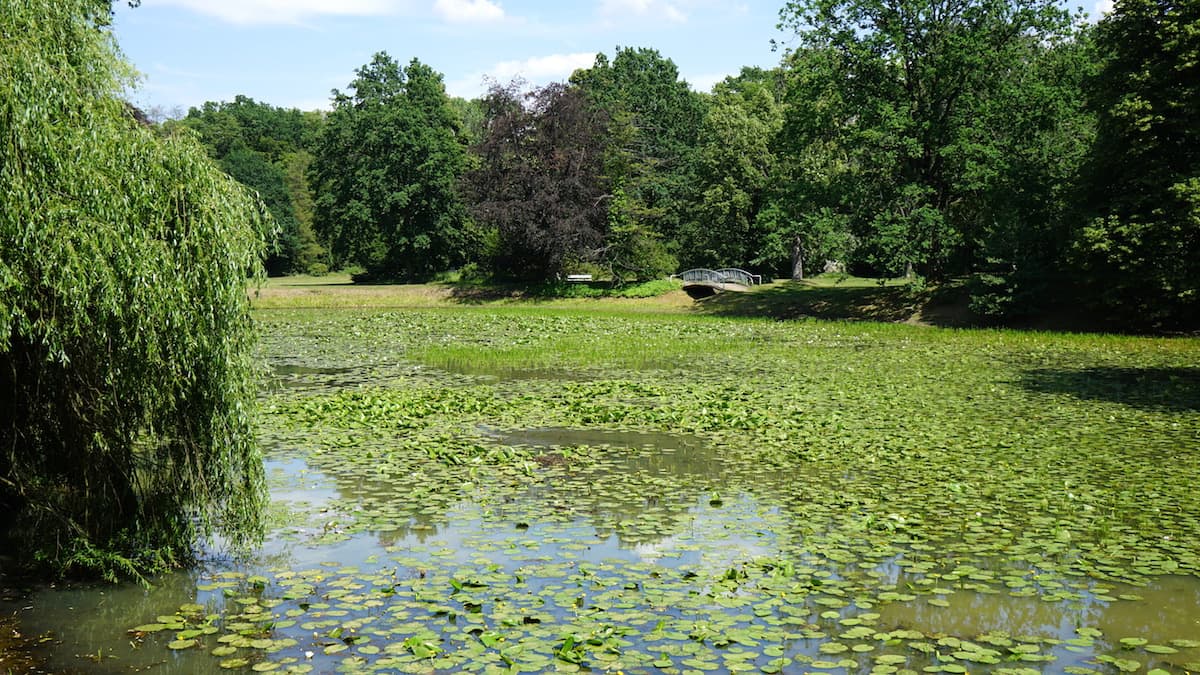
{"points": [[536, 70], [645, 9], [1101, 8], [299, 11], [285, 11], [542, 68], [705, 81], [468, 10], [307, 104]]}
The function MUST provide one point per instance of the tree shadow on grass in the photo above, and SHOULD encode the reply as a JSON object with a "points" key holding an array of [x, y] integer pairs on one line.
{"points": [[477, 294], [470, 294], [1170, 389], [798, 300]]}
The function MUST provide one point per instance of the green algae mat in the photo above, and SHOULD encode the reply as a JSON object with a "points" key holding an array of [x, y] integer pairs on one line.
{"points": [[528, 491]]}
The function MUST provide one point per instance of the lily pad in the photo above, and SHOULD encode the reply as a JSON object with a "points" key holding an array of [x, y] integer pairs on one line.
{"points": [[1133, 642]]}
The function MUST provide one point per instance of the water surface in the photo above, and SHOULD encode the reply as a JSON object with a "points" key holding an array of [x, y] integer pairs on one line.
{"points": [[824, 500]]}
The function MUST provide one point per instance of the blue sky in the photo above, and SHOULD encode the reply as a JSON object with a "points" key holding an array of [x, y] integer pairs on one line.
{"points": [[293, 52]]}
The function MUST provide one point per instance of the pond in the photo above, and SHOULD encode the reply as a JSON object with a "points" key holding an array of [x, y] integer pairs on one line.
{"points": [[688, 495]]}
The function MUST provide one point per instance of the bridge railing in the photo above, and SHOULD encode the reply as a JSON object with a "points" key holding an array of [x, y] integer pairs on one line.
{"points": [[740, 276], [725, 275]]}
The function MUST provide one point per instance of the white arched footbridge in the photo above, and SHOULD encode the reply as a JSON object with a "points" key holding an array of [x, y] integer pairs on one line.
{"points": [[702, 281]]}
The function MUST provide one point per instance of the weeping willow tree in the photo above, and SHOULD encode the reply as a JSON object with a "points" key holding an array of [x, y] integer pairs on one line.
{"points": [[126, 385]]}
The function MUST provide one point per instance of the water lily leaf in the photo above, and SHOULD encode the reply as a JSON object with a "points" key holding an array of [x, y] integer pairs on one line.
{"points": [[486, 518], [1160, 649], [833, 648], [1184, 644], [862, 648], [1133, 642]]}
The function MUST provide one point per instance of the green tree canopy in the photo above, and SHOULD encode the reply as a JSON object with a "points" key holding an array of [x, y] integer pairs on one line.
{"points": [[901, 85], [126, 384], [252, 169], [243, 122], [734, 165], [642, 82], [256, 143], [1017, 169], [539, 183], [1139, 248], [387, 167], [654, 119]]}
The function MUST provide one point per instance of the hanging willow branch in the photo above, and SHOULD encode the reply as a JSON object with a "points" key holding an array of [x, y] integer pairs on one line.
{"points": [[126, 386]]}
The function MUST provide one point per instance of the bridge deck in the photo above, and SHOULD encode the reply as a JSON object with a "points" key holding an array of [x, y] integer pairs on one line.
{"points": [[701, 281], [716, 286]]}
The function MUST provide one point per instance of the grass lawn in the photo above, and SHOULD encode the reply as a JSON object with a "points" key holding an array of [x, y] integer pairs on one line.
{"points": [[336, 291], [826, 296]]}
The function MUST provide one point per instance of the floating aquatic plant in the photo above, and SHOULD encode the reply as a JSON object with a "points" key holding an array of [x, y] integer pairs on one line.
{"points": [[702, 495]]}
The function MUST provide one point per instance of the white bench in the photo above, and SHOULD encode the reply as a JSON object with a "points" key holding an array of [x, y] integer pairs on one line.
{"points": [[578, 278]]}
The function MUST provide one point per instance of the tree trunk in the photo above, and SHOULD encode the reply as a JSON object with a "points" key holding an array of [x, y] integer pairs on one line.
{"points": [[797, 258]]}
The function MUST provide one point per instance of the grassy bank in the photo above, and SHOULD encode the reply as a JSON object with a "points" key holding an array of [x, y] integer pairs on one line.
{"points": [[834, 297], [336, 291], [827, 297]]}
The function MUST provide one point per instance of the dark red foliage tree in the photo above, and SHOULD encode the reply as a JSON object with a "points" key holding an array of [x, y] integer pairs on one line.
{"points": [[539, 182]]}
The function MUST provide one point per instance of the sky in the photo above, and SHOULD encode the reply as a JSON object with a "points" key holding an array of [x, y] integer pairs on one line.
{"points": [[292, 53]]}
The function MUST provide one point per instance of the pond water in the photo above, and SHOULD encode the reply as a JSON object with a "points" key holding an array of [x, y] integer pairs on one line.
{"points": [[428, 520], [391, 584]]}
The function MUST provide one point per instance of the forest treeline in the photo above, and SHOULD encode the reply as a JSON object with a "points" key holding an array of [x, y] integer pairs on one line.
{"points": [[1049, 161]]}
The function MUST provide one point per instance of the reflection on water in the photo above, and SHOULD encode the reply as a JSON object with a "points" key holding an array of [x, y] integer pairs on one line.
{"points": [[89, 622], [666, 489], [289, 376], [287, 370], [293, 482], [670, 517], [89, 625], [509, 373], [555, 437], [1169, 609], [684, 509]]}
